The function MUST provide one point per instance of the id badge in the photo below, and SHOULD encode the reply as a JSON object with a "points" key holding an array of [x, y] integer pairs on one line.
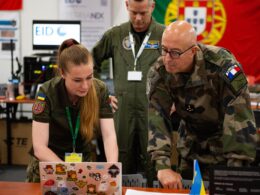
{"points": [[134, 76], [73, 157]]}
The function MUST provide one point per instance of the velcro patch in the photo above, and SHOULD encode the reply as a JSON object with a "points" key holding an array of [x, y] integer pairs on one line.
{"points": [[238, 82], [38, 107], [232, 72]]}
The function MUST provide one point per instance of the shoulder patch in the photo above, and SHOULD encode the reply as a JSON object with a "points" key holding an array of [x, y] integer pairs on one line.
{"points": [[38, 107], [126, 43], [232, 71], [235, 78], [41, 97]]}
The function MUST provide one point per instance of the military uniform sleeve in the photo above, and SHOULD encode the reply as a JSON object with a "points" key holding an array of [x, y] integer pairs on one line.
{"points": [[102, 50], [105, 110], [159, 143], [239, 135], [41, 107]]}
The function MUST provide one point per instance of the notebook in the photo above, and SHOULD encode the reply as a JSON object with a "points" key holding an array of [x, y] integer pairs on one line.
{"points": [[66, 178]]}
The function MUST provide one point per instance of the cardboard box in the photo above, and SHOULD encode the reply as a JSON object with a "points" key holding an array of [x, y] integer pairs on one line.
{"points": [[21, 142]]}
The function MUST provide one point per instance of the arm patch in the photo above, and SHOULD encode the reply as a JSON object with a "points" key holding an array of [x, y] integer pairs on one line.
{"points": [[235, 78]]}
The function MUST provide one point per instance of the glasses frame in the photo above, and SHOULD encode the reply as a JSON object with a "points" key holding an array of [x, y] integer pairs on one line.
{"points": [[173, 53]]}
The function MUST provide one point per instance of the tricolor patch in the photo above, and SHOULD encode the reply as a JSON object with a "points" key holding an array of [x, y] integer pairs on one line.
{"points": [[232, 72], [41, 96], [38, 107]]}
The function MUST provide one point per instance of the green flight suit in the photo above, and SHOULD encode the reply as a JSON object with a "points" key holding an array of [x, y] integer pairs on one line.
{"points": [[131, 116], [49, 107], [217, 124]]}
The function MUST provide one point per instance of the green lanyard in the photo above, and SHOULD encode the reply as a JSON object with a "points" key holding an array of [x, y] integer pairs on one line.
{"points": [[73, 133]]}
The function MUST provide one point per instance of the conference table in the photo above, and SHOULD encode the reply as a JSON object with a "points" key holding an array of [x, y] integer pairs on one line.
{"points": [[23, 188]]}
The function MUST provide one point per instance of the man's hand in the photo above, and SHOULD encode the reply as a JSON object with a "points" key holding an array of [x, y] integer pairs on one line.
{"points": [[113, 103], [169, 179]]}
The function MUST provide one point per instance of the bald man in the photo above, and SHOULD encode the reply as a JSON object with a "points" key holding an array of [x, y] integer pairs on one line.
{"points": [[207, 88]]}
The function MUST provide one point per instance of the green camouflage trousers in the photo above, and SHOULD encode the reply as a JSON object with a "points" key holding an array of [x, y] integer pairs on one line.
{"points": [[33, 172]]}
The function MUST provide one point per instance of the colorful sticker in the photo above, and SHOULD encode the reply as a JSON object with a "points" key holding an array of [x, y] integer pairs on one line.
{"points": [[49, 169], [113, 171]]}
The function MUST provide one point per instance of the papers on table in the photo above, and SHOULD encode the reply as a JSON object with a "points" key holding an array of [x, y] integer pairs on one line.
{"points": [[138, 192]]}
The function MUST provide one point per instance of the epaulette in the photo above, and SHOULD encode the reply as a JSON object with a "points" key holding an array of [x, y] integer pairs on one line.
{"points": [[216, 55]]}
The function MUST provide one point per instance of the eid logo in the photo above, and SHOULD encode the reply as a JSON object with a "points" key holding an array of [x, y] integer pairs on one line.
{"points": [[72, 1], [49, 31]]}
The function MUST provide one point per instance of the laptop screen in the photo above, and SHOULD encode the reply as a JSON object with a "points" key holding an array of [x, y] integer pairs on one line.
{"points": [[81, 178], [234, 180]]}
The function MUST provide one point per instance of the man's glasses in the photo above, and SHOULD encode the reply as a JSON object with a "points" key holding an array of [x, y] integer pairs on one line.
{"points": [[174, 54]]}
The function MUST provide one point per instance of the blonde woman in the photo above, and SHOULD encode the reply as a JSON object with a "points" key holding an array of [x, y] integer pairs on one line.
{"points": [[69, 111]]}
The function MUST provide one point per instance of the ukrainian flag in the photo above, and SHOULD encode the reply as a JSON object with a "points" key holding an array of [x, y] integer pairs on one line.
{"points": [[197, 187], [41, 96]]}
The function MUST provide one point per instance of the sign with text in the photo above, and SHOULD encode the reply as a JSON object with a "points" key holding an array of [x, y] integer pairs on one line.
{"points": [[95, 17]]}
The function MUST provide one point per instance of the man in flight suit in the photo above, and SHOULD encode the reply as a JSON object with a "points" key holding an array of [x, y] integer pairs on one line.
{"points": [[206, 86], [133, 47]]}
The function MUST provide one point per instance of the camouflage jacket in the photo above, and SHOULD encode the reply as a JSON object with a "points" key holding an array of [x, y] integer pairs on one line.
{"points": [[217, 124]]}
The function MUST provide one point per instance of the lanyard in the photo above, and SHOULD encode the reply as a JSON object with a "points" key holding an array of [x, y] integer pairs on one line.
{"points": [[131, 37], [73, 133]]}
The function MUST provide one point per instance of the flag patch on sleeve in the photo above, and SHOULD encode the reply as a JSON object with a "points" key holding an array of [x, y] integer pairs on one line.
{"points": [[232, 71], [41, 96]]}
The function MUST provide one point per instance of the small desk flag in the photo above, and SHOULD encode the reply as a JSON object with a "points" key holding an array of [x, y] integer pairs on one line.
{"points": [[197, 187]]}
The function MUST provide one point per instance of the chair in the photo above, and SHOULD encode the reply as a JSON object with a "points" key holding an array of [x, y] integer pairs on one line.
{"points": [[134, 180]]}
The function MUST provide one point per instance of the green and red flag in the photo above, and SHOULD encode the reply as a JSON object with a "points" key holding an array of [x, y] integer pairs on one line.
{"points": [[233, 24]]}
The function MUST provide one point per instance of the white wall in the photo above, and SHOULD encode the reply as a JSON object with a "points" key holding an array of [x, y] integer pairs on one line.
{"points": [[47, 9]]}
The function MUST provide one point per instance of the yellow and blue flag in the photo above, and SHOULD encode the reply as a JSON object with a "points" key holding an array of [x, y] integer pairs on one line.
{"points": [[197, 187]]}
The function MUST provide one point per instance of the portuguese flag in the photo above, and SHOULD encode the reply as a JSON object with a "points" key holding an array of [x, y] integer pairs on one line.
{"points": [[234, 25], [11, 4]]}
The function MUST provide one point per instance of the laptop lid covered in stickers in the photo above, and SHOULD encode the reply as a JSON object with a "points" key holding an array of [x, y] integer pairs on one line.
{"points": [[76, 178]]}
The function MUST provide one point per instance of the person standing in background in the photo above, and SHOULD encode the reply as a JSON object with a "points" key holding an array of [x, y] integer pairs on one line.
{"points": [[133, 47]]}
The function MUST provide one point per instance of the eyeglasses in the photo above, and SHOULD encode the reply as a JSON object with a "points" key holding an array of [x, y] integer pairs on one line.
{"points": [[174, 54]]}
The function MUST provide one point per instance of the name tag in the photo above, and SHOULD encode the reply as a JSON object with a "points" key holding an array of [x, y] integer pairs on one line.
{"points": [[73, 157], [134, 76]]}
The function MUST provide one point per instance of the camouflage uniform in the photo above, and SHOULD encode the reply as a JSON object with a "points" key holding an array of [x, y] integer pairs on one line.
{"points": [[131, 116], [217, 125], [51, 109]]}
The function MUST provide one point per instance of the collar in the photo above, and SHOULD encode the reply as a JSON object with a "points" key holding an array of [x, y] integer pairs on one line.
{"points": [[63, 95], [150, 28]]}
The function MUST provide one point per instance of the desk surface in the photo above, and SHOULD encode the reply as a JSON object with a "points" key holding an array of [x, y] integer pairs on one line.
{"points": [[23, 188], [14, 101]]}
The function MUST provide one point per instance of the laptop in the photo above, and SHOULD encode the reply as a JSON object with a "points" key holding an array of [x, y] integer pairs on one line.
{"points": [[234, 180], [78, 178]]}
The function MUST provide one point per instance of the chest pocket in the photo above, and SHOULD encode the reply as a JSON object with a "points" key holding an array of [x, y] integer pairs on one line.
{"points": [[198, 103]]}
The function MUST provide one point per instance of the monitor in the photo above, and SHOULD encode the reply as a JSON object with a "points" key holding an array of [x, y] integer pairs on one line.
{"points": [[49, 34]]}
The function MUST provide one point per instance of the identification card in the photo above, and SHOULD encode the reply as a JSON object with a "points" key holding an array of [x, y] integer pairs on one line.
{"points": [[73, 157], [134, 76]]}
